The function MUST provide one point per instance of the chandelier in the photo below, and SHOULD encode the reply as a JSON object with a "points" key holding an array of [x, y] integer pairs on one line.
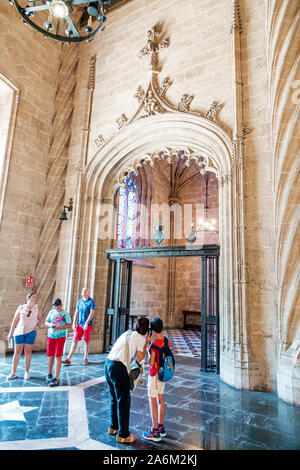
{"points": [[64, 20], [204, 224]]}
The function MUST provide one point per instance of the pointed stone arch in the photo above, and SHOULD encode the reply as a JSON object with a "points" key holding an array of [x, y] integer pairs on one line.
{"points": [[201, 136]]}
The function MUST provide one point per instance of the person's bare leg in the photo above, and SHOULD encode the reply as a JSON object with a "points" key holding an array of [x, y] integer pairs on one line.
{"points": [[50, 364], [16, 357], [57, 366], [86, 351], [73, 349], [153, 410], [28, 355], [161, 409]]}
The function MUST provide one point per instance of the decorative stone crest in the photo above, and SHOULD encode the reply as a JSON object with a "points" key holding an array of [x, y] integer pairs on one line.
{"points": [[214, 109], [184, 103]]}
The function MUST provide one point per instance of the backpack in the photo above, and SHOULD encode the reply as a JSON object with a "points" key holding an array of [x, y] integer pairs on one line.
{"points": [[166, 366]]}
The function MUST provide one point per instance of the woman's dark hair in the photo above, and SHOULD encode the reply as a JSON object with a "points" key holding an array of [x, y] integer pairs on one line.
{"points": [[142, 325], [30, 294]]}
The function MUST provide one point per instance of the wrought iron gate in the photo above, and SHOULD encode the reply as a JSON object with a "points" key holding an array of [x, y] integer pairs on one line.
{"points": [[118, 300], [210, 344], [119, 290]]}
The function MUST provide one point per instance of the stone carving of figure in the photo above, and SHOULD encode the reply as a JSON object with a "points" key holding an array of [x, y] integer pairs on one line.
{"points": [[151, 106]]}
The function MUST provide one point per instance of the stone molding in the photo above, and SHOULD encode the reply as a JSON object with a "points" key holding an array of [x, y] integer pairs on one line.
{"points": [[15, 90]]}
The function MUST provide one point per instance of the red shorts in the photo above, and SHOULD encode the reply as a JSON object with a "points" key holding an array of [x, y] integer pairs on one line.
{"points": [[55, 346], [79, 332]]}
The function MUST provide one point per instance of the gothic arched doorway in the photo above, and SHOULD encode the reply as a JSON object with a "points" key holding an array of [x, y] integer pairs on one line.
{"points": [[208, 145]]}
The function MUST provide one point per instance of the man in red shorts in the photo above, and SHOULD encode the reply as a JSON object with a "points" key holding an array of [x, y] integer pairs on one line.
{"points": [[82, 324]]}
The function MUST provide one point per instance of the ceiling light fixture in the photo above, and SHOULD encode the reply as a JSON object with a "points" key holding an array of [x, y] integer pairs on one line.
{"points": [[64, 20]]}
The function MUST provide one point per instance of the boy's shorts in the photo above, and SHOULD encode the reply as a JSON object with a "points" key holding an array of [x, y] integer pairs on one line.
{"points": [[79, 332], [29, 338], [155, 387], [55, 346]]}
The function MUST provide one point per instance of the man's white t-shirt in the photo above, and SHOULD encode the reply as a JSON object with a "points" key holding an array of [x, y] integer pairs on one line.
{"points": [[136, 343]]}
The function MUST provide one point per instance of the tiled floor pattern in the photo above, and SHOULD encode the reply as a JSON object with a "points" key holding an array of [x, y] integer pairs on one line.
{"points": [[201, 411], [185, 342]]}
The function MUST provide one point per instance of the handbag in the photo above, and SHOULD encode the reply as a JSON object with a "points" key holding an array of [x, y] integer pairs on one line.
{"points": [[134, 368]]}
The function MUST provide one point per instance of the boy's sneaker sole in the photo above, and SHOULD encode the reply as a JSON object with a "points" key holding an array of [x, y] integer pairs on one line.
{"points": [[162, 434], [154, 439]]}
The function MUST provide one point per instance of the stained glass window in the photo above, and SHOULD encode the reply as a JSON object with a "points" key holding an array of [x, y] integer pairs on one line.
{"points": [[126, 229]]}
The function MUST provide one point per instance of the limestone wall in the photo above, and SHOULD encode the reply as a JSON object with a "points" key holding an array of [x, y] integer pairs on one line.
{"points": [[201, 60], [31, 63]]}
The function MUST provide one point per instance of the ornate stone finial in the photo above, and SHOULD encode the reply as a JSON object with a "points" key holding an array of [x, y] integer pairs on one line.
{"points": [[121, 121], [184, 103], [152, 47], [166, 83], [236, 17], [92, 73], [214, 109], [99, 141]]}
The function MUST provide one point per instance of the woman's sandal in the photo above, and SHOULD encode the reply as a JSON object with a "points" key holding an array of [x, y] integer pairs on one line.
{"points": [[112, 431], [127, 440], [85, 362], [11, 376], [66, 362]]}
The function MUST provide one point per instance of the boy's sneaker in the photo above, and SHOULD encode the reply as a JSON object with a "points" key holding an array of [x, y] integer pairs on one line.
{"points": [[54, 383], [49, 378], [152, 435], [161, 430]]}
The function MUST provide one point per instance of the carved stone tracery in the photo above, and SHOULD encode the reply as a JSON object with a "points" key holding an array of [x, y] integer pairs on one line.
{"points": [[204, 162]]}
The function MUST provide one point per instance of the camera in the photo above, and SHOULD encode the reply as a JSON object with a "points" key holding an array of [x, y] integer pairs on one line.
{"points": [[149, 331]]}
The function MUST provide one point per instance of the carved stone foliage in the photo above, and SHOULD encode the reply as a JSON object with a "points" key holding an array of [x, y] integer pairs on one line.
{"points": [[214, 109], [121, 120], [166, 83], [184, 103]]}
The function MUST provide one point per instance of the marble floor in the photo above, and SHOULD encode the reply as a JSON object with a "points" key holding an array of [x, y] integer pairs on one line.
{"points": [[201, 411]]}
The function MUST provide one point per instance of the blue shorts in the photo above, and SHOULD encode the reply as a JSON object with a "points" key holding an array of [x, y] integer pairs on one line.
{"points": [[29, 338]]}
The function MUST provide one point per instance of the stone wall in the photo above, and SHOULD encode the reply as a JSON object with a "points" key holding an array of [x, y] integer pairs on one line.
{"points": [[202, 60], [31, 63]]}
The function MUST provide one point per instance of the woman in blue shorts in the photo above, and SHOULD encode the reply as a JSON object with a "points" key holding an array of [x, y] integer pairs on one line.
{"points": [[23, 328]]}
